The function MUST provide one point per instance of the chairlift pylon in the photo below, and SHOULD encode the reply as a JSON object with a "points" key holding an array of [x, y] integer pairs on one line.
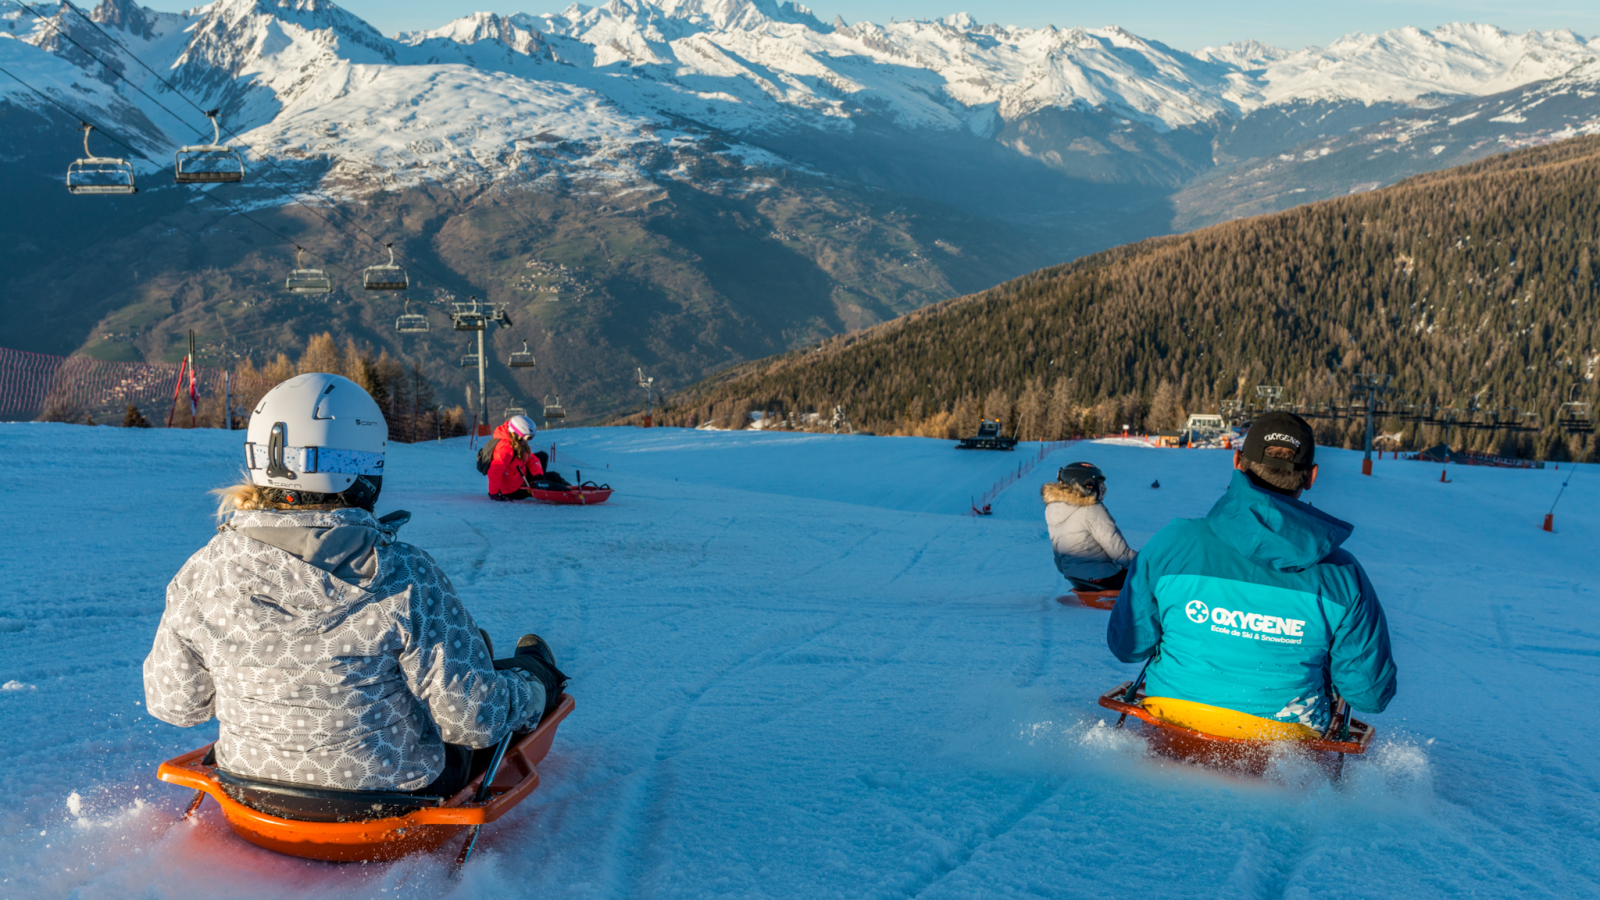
{"points": [[521, 359], [211, 163], [553, 410], [388, 277], [410, 322], [307, 281], [99, 174]]}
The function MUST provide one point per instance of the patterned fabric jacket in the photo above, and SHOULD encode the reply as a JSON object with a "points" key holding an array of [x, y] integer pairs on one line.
{"points": [[331, 654]]}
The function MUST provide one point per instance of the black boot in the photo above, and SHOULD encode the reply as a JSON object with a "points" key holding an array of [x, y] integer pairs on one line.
{"points": [[536, 647], [535, 657]]}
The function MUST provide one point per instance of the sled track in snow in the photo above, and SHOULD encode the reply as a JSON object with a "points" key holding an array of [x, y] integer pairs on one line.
{"points": [[963, 854], [647, 805]]}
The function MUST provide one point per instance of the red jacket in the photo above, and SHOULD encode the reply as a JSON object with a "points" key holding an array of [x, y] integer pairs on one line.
{"points": [[506, 471]]}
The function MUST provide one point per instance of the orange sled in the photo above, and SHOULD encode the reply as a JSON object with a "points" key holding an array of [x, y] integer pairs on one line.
{"points": [[1240, 754], [1091, 599], [419, 830]]}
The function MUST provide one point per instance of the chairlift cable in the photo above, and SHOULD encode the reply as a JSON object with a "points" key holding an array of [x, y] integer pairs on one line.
{"points": [[107, 66], [110, 136], [293, 198], [262, 157]]}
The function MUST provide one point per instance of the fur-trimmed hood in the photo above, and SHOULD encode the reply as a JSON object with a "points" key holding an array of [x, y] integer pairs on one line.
{"points": [[1055, 492]]}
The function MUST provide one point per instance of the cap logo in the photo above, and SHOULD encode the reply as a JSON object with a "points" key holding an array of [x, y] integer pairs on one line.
{"points": [[1280, 436]]}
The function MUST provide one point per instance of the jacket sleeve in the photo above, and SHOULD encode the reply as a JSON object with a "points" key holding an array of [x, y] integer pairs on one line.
{"points": [[1360, 661], [177, 686], [504, 476], [1105, 530], [1134, 632], [448, 668]]}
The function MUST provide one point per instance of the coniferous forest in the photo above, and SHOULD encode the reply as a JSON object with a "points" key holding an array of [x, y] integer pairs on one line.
{"points": [[1475, 288]]}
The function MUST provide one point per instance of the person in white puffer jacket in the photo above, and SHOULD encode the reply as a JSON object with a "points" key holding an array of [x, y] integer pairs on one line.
{"points": [[1089, 548], [332, 654]]}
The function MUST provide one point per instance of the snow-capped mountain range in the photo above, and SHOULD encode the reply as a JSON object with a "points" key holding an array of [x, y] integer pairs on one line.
{"points": [[476, 97], [676, 184]]}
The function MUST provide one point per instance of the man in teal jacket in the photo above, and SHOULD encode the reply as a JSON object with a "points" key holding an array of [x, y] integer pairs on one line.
{"points": [[1256, 618]]}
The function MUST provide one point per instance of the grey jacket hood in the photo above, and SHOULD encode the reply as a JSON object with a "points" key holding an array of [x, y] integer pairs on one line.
{"points": [[341, 542]]}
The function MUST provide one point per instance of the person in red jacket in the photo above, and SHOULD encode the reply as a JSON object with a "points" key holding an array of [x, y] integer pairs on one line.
{"points": [[514, 464]]}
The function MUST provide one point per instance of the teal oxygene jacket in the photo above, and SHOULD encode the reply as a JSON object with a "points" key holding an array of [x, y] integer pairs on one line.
{"points": [[1257, 609]]}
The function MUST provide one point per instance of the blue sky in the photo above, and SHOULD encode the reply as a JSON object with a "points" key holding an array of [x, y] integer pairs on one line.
{"points": [[1184, 24]]}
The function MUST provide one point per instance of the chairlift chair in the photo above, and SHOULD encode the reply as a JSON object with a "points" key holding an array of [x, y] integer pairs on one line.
{"points": [[553, 410], [307, 281], [385, 277], [99, 174], [513, 411], [410, 322], [1575, 418], [469, 316], [470, 361], [210, 163], [521, 359]]}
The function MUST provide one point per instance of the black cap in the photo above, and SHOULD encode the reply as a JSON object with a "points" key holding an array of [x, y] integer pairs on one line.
{"points": [[1280, 429]]}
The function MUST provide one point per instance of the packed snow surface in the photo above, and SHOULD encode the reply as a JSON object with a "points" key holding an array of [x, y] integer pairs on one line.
{"points": [[802, 672]]}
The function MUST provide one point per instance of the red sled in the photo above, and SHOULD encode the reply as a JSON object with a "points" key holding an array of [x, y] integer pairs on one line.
{"points": [[1240, 754], [409, 823], [577, 495], [1091, 599]]}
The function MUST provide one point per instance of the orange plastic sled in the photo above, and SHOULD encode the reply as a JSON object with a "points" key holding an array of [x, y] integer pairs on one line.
{"points": [[1239, 753], [419, 831], [1092, 599]]}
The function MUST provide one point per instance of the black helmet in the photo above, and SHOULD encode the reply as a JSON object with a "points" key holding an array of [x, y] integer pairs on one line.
{"points": [[1084, 475]]}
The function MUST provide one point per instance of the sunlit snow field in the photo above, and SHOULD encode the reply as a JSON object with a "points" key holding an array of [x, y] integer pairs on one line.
{"points": [[802, 672]]}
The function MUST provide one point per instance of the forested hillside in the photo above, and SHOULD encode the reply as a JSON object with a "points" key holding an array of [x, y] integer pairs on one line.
{"points": [[1476, 281]]}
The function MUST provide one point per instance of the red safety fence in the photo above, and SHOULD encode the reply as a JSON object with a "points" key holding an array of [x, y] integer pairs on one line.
{"points": [[43, 387], [70, 388], [980, 508]]}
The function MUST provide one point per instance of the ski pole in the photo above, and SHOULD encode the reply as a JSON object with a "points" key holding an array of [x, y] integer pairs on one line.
{"points": [[1133, 690], [482, 795]]}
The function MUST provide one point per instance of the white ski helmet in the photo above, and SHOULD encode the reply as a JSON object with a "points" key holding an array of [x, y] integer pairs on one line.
{"points": [[318, 434], [522, 426]]}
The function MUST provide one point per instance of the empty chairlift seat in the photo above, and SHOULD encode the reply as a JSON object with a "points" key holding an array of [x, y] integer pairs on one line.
{"points": [[385, 277], [521, 359], [470, 316], [307, 281], [470, 361], [99, 174], [513, 411], [410, 322], [210, 163], [554, 410]]}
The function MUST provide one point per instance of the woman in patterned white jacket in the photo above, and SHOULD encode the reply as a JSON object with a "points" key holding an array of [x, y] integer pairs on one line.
{"points": [[332, 654]]}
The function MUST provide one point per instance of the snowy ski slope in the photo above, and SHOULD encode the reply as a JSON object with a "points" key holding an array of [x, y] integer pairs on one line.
{"points": [[802, 673]]}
